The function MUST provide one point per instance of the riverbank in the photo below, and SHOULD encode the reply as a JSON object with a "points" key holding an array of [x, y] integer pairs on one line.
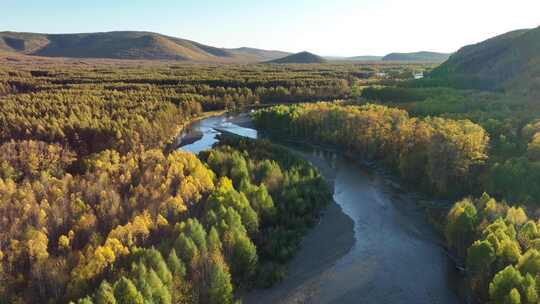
{"points": [[175, 141], [324, 245], [339, 283], [372, 245], [431, 209], [315, 256]]}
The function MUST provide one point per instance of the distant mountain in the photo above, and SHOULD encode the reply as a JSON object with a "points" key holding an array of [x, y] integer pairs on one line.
{"points": [[417, 56], [365, 58], [354, 58], [127, 45], [302, 57], [261, 55], [507, 60]]}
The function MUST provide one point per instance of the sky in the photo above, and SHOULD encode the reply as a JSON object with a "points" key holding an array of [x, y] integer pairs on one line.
{"points": [[325, 27]]}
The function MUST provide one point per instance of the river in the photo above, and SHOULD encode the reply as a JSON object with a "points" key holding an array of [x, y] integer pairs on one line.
{"points": [[372, 245]]}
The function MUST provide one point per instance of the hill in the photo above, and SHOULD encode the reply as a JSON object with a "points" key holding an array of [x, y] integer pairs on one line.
{"points": [[353, 58], [302, 57], [417, 56], [510, 60], [260, 55], [365, 58], [126, 45]]}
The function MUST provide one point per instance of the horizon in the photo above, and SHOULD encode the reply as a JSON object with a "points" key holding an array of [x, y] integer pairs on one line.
{"points": [[292, 26]]}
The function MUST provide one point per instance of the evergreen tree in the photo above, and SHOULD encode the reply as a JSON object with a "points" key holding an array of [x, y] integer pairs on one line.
{"points": [[86, 300], [462, 220], [214, 243], [177, 267], [480, 256], [244, 257], [220, 288], [529, 263], [160, 293], [125, 292], [105, 294], [505, 284], [186, 248]]}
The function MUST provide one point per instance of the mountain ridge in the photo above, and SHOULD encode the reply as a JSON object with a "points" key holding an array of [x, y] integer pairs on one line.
{"points": [[354, 58], [302, 57], [417, 56], [127, 45]]}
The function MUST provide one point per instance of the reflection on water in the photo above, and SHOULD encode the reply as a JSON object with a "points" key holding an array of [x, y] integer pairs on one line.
{"points": [[395, 257]]}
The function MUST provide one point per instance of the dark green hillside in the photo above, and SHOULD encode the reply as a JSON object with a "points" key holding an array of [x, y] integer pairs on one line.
{"points": [[509, 60], [417, 56]]}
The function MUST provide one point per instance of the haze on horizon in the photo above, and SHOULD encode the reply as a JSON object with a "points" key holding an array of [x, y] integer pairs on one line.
{"points": [[337, 28]]}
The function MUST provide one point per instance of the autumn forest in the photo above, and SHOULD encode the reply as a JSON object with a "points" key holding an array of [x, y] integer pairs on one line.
{"points": [[100, 204]]}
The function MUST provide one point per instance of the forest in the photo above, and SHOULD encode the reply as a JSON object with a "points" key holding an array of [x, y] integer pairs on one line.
{"points": [[96, 207], [269, 152], [452, 141], [149, 227], [432, 152]]}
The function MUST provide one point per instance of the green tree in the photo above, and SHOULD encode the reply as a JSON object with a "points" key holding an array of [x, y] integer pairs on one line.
{"points": [[516, 216], [514, 297], [196, 232], [529, 263], [509, 252], [244, 257], [530, 289], [160, 294], [460, 229], [480, 256], [527, 233], [105, 294], [220, 288], [186, 247], [177, 267], [86, 300], [260, 200], [502, 290], [125, 292], [214, 243]]}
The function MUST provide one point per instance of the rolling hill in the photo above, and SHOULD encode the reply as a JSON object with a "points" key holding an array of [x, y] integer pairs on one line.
{"points": [[510, 60], [353, 58], [302, 57], [417, 56], [365, 58], [260, 55], [127, 45]]}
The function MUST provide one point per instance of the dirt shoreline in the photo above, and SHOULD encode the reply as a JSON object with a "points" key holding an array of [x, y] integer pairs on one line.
{"points": [[315, 258]]}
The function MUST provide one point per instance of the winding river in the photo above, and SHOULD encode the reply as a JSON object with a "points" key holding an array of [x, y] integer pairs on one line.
{"points": [[372, 245]]}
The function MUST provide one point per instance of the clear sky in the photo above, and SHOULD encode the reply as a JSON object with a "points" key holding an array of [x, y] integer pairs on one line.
{"points": [[325, 27]]}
